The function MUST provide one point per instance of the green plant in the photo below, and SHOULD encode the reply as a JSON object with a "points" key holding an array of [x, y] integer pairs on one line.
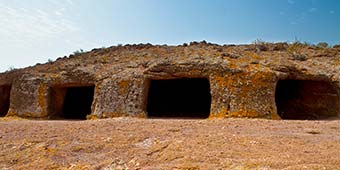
{"points": [[322, 45], [280, 46], [308, 44], [295, 50], [80, 51], [336, 46], [11, 68], [260, 45]]}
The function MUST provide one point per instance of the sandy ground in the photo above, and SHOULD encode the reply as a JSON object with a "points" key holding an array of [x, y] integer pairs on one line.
{"points": [[129, 143]]}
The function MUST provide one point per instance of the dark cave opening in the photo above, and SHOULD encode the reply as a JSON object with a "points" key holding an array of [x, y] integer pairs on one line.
{"points": [[71, 102], [78, 101], [5, 92], [306, 100], [179, 98]]}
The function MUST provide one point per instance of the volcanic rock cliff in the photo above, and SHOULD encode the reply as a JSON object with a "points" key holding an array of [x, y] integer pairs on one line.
{"points": [[199, 80]]}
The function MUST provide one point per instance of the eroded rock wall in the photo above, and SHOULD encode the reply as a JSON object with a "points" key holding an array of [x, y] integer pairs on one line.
{"points": [[243, 80]]}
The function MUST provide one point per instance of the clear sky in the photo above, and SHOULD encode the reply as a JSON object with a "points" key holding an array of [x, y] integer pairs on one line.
{"points": [[34, 31]]}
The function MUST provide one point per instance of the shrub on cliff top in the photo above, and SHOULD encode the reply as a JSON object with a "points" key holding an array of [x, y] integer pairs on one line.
{"points": [[322, 45], [295, 50]]}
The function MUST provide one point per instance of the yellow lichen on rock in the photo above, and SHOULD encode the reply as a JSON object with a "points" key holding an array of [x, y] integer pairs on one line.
{"points": [[42, 99]]}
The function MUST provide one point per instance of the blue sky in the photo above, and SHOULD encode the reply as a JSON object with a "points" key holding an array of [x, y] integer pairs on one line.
{"points": [[37, 30]]}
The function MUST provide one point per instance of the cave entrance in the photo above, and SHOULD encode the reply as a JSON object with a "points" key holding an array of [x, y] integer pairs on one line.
{"points": [[307, 100], [71, 102], [5, 92], [179, 98]]}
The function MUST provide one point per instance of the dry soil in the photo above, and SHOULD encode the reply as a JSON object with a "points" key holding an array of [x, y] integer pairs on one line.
{"points": [[130, 143]]}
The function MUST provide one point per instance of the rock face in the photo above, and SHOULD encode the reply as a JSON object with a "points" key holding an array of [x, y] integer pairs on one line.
{"points": [[290, 81]]}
